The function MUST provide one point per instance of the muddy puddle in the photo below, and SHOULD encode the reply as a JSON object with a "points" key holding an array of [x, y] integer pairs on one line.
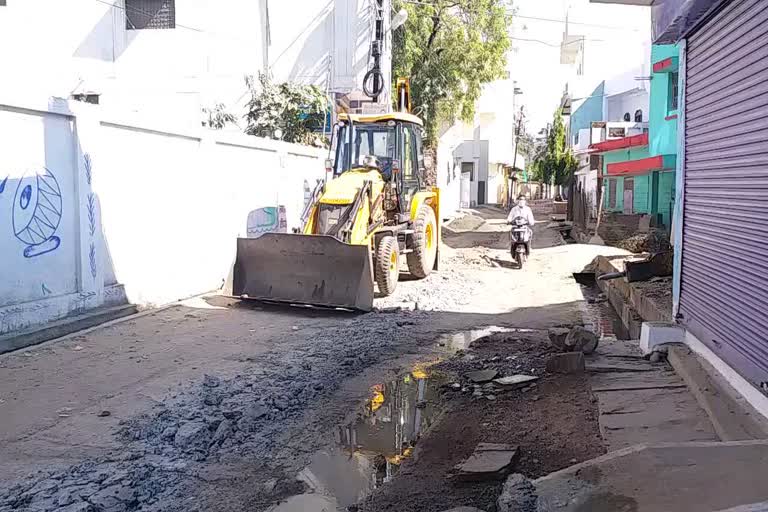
{"points": [[367, 451]]}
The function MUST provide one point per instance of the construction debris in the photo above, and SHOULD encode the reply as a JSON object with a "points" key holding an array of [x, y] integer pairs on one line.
{"points": [[515, 381], [580, 339], [517, 495], [489, 461], [557, 337], [567, 362], [482, 376], [653, 241]]}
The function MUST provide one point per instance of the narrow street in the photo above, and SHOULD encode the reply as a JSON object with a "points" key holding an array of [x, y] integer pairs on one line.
{"points": [[215, 404]]}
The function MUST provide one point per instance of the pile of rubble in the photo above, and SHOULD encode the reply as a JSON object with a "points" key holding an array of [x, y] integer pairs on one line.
{"points": [[654, 241]]}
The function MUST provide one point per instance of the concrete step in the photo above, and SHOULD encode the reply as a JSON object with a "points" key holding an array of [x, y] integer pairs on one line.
{"points": [[680, 477], [68, 325]]}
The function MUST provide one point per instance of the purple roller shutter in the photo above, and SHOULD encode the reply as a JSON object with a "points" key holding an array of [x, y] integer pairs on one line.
{"points": [[724, 285]]}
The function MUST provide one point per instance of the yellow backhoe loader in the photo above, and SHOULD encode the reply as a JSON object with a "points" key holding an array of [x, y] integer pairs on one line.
{"points": [[358, 225]]}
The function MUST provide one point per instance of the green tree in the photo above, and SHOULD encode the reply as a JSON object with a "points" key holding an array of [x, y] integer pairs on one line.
{"points": [[449, 49], [557, 162], [293, 111], [217, 117]]}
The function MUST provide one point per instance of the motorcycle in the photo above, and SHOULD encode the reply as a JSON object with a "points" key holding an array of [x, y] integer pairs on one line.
{"points": [[520, 240]]}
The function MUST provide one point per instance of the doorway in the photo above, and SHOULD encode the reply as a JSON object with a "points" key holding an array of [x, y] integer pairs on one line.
{"points": [[629, 196]]}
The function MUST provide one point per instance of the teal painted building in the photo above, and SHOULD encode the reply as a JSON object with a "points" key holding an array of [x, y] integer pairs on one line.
{"points": [[639, 171], [589, 111]]}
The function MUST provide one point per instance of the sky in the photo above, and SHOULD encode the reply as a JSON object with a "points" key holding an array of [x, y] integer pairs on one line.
{"points": [[617, 39]]}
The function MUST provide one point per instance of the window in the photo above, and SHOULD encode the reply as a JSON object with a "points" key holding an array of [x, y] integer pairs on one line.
{"points": [[638, 116], [627, 117], [369, 139], [150, 14], [469, 168], [408, 160], [673, 91], [617, 131]]}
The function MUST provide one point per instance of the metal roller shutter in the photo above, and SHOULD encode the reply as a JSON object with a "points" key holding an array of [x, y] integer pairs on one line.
{"points": [[724, 285]]}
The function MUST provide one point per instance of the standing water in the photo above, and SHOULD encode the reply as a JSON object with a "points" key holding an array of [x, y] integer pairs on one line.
{"points": [[367, 451]]}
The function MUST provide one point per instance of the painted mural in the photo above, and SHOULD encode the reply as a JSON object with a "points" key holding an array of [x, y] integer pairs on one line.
{"points": [[269, 219], [36, 212]]}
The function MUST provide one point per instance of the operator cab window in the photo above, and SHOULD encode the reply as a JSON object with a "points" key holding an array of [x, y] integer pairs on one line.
{"points": [[374, 139], [410, 165]]}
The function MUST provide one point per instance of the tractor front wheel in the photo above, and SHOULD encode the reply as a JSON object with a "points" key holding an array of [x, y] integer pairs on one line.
{"points": [[421, 260], [387, 265]]}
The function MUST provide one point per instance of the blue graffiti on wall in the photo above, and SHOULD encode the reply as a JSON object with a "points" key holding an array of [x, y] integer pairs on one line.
{"points": [[88, 166], [36, 214], [91, 206], [2, 185], [45, 289], [92, 259]]}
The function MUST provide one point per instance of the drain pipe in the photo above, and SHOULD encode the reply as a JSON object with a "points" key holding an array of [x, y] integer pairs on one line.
{"points": [[611, 275]]}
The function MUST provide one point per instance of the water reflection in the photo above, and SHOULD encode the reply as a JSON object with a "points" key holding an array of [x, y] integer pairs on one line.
{"points": [[369, 450], [461, 340]]}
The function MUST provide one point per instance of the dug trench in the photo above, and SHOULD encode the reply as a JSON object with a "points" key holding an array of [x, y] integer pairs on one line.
{"points": [[552, 423], [245, 403]]}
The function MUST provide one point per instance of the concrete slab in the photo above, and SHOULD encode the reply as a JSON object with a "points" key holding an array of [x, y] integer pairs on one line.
{"points": [[482, 376], [515, 381], [617, 364], [489, 461], [684, 477], [651, 415], [752, 507], [625, 381], [643, 402]]}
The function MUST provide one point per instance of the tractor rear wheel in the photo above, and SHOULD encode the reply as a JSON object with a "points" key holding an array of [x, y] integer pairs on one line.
{"points": [[387, 265], [421, 260]]}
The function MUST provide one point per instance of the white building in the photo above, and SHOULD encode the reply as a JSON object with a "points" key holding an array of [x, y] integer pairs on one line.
{"points": [[171, 58], [481, 151], [328, 44], [97, 202]]}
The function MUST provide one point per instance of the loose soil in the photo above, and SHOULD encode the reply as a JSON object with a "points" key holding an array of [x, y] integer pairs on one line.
{"points": [[554, 423]]}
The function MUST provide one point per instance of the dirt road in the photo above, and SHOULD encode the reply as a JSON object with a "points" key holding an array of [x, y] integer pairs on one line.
{"points": [[219, 405]]}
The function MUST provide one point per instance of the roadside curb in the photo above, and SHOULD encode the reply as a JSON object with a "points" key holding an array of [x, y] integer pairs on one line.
{"points": [[77, 326], [64, 327], [730, 420]]}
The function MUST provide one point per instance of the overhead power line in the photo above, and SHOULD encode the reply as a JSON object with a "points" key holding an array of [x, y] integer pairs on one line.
{"points": [[558, 45], [553, 20]]}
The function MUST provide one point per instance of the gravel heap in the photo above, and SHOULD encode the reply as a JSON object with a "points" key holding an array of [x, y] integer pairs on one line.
{"points": [[217, 421]]}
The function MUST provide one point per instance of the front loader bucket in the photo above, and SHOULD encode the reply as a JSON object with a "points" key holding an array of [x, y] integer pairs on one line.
{"points": [[304, 269]]}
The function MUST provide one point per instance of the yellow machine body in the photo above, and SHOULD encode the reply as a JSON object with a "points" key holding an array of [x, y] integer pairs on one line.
{"points": [[337, 257]]}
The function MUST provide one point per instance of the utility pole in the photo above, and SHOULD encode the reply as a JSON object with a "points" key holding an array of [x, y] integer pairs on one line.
{"points": [[518, 127], [515, 136]]}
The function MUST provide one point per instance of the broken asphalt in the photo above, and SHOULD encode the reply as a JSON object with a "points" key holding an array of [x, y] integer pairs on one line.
{"points": [[218, 405]]}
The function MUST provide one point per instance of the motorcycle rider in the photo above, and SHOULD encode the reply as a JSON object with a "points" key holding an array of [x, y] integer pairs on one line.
{"points": [[521, 209]]}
